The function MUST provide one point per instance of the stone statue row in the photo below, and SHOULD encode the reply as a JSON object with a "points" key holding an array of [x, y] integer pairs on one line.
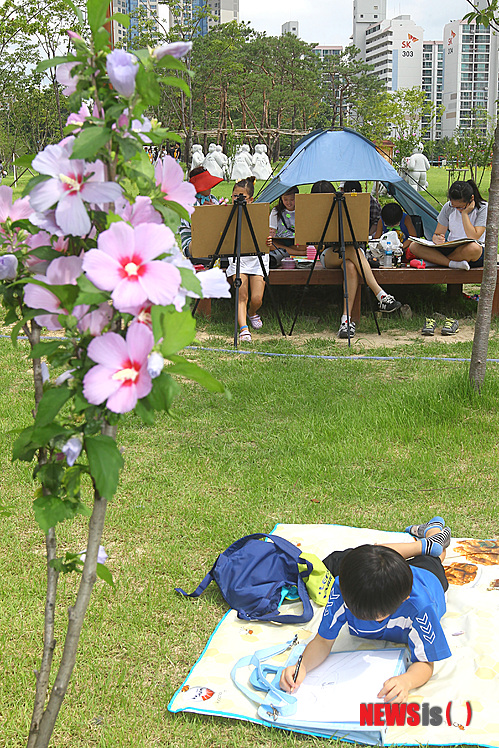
{"points": [[243, 164]]}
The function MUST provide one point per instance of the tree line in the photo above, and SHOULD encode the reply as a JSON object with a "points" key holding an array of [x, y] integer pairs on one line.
{"points": [[239, 85]]}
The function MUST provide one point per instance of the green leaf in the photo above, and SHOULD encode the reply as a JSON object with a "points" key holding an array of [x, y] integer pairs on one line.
{"points": [[104, 574], [25, 160], [49, 510], [145, 411], [101, 39], [45, 253], [170, 217], [45, 349], [177, 329], [190, 281], [6, 511], [193, 371], [121, 18], [50, 405], [105, 463], [171, 80], [171, 63], [164, 391], [52, 63], [33, 182], [148, 87], [31, 439], [128, 147], [76, 10], [90, 141], [97, 11]]}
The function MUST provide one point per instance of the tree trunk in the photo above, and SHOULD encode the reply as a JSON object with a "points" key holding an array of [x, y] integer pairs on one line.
{"points": [[482, 326], [76, 616], [43, 675]]}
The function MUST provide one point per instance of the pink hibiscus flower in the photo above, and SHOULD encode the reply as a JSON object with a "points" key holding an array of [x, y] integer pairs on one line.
{"points": [[15, 211], [64, 77], [124, 264], [170, 177], [63, 271], [72, 182], [120, 377], [140, 211]]}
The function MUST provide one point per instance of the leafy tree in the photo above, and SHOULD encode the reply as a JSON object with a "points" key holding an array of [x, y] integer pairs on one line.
{"points": [[410, 107], [348, 88]]}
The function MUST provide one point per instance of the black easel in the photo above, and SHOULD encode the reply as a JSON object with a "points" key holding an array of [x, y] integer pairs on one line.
{"points": [[238, 209], [339, 200]]}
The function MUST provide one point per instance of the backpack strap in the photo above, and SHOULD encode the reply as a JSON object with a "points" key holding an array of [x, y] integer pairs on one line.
{"points": [[199, 589], [283, 702]]}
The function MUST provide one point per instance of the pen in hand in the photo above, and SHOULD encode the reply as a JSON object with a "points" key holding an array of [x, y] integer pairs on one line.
{"points": [[297, 669]]}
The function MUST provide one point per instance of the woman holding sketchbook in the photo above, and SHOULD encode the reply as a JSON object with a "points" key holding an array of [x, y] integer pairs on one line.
{"points": [[465, 217]]}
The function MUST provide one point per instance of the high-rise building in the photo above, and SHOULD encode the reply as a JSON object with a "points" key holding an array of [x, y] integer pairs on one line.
{"points": [[470, 85], [290, 27], [149, 11], [395, 48], [325, 52], [432, 85], [220, 11], [365, 13]]}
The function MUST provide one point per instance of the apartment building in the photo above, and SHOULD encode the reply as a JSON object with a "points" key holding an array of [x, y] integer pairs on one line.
{"points": [[470, 80]]}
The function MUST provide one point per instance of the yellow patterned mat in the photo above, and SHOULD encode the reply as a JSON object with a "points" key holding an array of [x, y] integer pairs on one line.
{"points": [[471, 624]]}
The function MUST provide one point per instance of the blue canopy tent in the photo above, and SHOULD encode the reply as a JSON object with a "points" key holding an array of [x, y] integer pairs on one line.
{"points": [[340, 155]]}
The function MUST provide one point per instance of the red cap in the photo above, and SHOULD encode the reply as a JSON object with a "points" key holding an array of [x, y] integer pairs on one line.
{"points": [[204, 181]]}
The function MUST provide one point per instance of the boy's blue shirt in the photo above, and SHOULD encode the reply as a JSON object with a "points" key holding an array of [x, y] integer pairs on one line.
{"points": [[416, 622]]}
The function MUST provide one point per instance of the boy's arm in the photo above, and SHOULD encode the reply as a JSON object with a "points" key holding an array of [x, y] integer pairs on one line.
{"points": [[379, 229], [396, 689], [314, 654]]}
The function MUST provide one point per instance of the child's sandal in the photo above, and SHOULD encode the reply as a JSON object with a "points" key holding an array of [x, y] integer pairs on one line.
{"points": [[244, 334], [255, 321]]}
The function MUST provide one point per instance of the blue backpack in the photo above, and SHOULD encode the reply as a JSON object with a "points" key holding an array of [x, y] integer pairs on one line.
{"points": [[254, 576]]}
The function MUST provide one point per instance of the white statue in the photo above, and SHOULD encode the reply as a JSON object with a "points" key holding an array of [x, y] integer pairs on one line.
{"points": [[261, 164], [222, 160], [417, 166], [211, 164], [197, 156], [241, 168]]}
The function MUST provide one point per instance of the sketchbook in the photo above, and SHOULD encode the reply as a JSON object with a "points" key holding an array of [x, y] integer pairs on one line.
{"points": [[328, 702], [427, 243]]}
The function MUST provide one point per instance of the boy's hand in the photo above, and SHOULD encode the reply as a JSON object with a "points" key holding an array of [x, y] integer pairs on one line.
{"points": [[395, 690], [286, 683], [269, 241]]}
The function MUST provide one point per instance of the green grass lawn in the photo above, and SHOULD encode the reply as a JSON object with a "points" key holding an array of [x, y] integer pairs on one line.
{"points": [[303, 440]]}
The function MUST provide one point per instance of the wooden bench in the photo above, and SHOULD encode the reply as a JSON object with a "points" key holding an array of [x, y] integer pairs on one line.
{"points": [[454, 279]]}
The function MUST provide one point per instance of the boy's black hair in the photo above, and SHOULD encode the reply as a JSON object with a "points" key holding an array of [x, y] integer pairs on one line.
{"points": [[352, 186], [374, 581], [281, 208], [465, 191], [391, 213], [247, 184], [322, 186]]}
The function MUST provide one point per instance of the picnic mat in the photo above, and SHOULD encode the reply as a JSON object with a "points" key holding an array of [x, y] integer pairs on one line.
{"points": [[471, 625]]}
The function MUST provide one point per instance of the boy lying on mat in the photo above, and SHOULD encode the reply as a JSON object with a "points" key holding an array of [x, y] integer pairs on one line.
{"points": [[393, 591]]}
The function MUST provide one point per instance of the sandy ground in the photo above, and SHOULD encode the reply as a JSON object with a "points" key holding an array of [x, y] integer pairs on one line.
{"points": [[362, 341]]}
